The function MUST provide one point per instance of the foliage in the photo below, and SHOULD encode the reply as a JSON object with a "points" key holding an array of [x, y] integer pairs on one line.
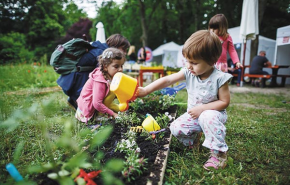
{"points": [[63, 154], [153, 103], [77, 30], [46, 22], [13, 48], [128, 120], [42, 22], [133, 164]]}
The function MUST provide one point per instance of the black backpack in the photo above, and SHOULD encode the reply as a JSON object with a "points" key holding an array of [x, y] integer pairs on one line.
{"points": [[65, 57]]}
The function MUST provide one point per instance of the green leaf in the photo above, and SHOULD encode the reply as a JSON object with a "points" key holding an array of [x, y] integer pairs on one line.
{"points": [[66, 181], [40, 168], [115, 165], [100, 137], [78, 160]]}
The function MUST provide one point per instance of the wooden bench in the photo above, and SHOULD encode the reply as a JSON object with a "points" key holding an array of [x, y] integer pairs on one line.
{"points": [[264, 77], [283, 79]]}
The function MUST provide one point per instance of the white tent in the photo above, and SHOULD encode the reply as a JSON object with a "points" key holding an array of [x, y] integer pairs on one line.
{"points": [[171, 46], [282, 50], [265, 44], [167, 54]]}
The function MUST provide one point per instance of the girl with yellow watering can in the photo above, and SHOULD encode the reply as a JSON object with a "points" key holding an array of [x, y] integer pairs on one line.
{"points": [[96, 95]]}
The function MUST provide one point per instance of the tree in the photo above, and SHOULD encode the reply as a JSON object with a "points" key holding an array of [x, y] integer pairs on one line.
{"points": [[77, 30]]}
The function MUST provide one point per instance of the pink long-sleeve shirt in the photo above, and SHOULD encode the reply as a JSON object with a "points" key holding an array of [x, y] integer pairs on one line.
{"points": [[93, 94], [227, 46]]}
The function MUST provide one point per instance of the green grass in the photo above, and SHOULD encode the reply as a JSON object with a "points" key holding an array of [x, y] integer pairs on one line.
{"points": [[257, 135], [24, 76]]}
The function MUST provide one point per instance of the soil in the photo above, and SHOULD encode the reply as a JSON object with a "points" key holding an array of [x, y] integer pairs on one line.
{"points": [[149, 150]]}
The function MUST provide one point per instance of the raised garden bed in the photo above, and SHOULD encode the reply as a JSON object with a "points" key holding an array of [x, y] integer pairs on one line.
{"points": [[144, 162]]}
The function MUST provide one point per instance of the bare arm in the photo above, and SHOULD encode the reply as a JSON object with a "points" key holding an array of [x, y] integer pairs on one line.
{"points": [[160, 84], [220, 104], [268, 64]]}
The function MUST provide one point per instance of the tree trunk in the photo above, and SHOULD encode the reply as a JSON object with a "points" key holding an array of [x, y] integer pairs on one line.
{"points": [[255, 43], [144, 36]]}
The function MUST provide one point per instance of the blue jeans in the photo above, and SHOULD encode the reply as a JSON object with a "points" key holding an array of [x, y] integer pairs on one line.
{"points": [[239, 72]]}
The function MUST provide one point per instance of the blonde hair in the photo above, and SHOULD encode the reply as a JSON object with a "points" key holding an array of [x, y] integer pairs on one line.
{"points": [[131, 50], [107, 57], [219, 22], [203, 45]]}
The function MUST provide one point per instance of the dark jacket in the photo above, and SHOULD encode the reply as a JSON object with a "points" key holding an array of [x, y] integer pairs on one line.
{"points": [[72, 84]]}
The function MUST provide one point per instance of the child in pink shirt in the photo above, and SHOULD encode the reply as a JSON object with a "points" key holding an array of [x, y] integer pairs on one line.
{"points": [[97, 89], [219, 25]]}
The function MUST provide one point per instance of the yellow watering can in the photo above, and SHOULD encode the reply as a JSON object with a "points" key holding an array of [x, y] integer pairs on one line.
{"points": [[150, 124], [124, 87]]}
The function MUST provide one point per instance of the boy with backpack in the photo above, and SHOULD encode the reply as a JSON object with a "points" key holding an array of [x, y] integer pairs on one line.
{"points": [[73, 82]]}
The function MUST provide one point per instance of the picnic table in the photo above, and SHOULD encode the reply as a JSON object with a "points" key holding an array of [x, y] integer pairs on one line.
{"points": [[273, 76]]}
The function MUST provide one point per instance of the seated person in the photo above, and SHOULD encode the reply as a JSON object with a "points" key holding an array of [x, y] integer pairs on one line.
{"points": [[257, 65], [233, 70]]}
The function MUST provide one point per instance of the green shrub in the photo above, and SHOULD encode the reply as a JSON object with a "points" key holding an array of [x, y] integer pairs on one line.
{"points": [[13, 48]]}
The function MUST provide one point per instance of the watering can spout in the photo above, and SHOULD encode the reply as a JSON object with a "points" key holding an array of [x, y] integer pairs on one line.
{"points": [[124, 87]]}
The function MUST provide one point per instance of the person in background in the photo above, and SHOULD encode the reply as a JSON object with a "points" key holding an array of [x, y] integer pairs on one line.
{"points": [[142, 55], [132, 55], [219, 25], [208, 97], [73, 83], [233, 70], [97, 88], [257, 65]]}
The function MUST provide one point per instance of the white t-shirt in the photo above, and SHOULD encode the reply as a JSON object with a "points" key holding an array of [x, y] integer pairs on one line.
{"points": [[204, 91]]}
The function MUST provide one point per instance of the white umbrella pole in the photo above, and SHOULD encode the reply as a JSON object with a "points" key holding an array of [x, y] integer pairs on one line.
{"points": [[243, 63]]}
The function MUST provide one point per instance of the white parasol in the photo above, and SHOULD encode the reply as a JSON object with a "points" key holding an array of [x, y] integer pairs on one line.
{"points": [[249, 27], [100, 32]]}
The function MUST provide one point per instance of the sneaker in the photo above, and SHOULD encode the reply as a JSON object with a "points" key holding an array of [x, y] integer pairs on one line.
{"points": [[72, 103], [216, 161], [238, 85]]}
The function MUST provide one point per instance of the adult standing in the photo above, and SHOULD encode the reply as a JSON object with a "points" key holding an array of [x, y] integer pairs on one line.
{"points": [[73, 83], [142, 55], [132, 55]]}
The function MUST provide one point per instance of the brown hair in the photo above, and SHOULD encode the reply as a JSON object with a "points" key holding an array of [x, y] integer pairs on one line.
{"points": [[118, 41], [203, 45], [107, 58], [219, 22]]}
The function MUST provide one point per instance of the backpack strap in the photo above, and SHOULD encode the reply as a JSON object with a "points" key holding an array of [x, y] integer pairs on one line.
{"points": [[85, 68]]}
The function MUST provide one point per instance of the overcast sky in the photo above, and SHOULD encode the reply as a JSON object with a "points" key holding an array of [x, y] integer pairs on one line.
{"points": [[89, 8]]}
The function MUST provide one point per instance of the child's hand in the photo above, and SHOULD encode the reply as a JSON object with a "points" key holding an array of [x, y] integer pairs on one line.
{"points": [[115, 115], [195, 112], [239, 65], [141, 92]]}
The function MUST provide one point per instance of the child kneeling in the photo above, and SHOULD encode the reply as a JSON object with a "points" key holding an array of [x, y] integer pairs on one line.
{"points": [[95, 96]]}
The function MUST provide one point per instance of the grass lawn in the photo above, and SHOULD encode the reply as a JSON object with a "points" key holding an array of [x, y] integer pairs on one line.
{"points": [[259, 151], [257, 135]]}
